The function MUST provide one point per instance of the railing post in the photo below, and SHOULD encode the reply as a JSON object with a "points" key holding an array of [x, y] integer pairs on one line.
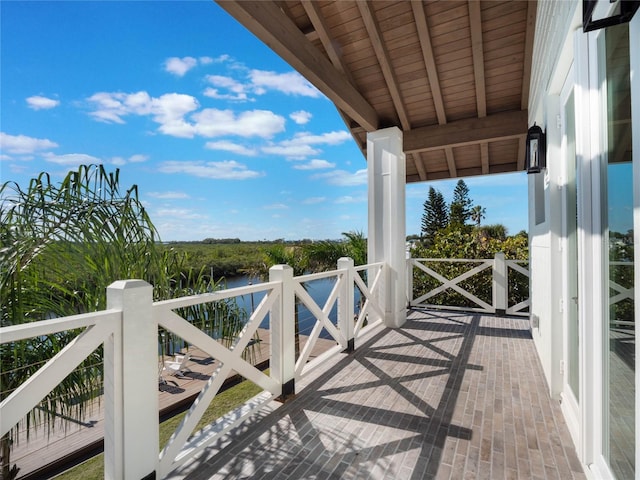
{"points": [[500, 284], [131, 384], [409, 278], [345, 302], [283, 346]]}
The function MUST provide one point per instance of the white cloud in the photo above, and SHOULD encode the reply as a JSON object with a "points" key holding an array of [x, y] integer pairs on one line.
{"points": [[206, 60], [290, 83], [300, 117], [138, 158], [226, 170], [246, 82], [222, 58], [111, 107], [302, 144], [18, 169], [170, 111], [350, 199], [168, 195], [72, 159], [212, 122], [238, 89], [329, 138], [215, 93], [276, 206], [314, 200], [315, 164], [181, 213], [342, 178], [291, 151], [38, 102], [227, 146], [23, 145], [179, 66]]}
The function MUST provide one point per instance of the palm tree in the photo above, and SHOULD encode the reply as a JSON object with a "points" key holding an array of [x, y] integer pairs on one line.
{"points": [[61, 245], [477, 214], [325, 255]]}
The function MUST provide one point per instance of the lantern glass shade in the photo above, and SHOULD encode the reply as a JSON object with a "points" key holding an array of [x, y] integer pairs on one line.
{"points": [[536, 150]]}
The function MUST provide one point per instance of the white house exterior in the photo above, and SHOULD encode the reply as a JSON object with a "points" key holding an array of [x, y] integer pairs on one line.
{"points": [[585, 91]]}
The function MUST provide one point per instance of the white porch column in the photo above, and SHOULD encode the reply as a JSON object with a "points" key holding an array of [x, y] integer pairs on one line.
{"points": [[283, 333], [131, 384], [387, 230]]}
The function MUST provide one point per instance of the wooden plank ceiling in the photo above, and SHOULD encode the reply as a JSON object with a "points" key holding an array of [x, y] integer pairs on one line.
{"points": [[452, 75]]}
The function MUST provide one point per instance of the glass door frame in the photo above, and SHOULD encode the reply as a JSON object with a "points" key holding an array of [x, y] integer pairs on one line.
{"points": [[634, 46], [571, 252], [594, 380]]}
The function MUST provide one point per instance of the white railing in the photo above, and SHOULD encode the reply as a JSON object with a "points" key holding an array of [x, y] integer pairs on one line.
{"points": [[99, 328], [620, 293], [128, 330], [181, 446], [500, 291], [350, 324]]}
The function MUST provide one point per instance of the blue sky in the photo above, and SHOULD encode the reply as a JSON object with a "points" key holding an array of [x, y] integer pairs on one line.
{"points": [[222, 137]]}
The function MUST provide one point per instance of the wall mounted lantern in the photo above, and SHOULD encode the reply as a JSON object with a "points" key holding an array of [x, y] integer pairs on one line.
{"points": [[598, 14], [536, 150]]}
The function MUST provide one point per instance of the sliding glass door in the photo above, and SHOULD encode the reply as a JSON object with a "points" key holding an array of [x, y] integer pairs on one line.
{"points": [[617, 207]]}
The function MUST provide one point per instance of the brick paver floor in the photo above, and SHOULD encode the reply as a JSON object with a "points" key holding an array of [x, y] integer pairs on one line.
{"points": [[447, 396]]}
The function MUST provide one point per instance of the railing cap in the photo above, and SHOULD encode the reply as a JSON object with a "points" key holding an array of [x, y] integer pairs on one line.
{"points": [[128, 284]]}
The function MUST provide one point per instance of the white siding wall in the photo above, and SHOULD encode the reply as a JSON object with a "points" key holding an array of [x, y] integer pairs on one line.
{"points": [[552, 58], [553, 23]]}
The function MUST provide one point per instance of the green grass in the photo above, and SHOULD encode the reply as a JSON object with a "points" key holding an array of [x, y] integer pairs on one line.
{"points": [[223, 403]]}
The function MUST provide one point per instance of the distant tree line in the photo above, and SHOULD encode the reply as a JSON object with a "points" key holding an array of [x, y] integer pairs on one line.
{"points": [[222, 241]]}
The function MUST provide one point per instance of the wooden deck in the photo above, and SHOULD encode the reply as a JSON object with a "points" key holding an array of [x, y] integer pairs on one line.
{"points": [[447, 396], [38, 457]]}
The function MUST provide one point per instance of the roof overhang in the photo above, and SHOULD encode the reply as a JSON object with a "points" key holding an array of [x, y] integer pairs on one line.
{"points": [[452, 75]]}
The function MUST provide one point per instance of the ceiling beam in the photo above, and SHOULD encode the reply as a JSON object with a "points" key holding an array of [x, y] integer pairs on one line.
{"points": [[259, 17], [422, 173], [429, 60], [464, 132], [522, 145], [451, 163], [484, 157], [314, 13], [475, 21], [382, 54], [312, 9]]}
